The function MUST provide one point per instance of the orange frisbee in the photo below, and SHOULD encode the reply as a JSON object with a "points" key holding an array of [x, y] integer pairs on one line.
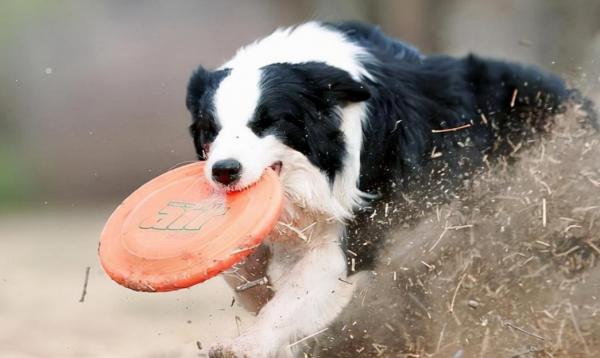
{"points": [[176, 231]]}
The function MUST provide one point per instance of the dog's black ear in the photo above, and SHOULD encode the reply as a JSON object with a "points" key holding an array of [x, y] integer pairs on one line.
{"points": [[196, 88], [336, 83]]}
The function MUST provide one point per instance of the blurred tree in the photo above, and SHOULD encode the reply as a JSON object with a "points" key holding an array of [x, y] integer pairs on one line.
{"points": [[15, 178]]}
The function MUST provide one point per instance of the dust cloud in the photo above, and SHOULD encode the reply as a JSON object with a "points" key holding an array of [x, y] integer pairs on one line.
{"points": [[508, 269]]}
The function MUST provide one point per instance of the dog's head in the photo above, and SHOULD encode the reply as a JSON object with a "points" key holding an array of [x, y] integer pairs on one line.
{"points": [[303, 120]]}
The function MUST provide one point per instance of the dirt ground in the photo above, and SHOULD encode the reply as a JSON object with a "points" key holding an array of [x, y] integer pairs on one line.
{"points": [[43, 259]]}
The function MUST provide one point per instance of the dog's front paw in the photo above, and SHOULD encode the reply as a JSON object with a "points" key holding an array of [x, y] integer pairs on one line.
{"points": [[223, 351], [247, 346]]}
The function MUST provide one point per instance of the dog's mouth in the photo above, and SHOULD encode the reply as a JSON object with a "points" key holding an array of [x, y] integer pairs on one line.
{"points": [[277, 167]]}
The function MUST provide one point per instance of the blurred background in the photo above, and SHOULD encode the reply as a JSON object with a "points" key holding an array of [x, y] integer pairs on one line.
{"points": [[92, 105]]}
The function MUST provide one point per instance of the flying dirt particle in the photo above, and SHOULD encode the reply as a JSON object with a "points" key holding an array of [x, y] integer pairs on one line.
{"points": [[85, 284], [473, 304]]}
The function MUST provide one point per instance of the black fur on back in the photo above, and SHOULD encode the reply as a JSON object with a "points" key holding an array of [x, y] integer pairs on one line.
{"points": [[378, 43], [412, 158]]}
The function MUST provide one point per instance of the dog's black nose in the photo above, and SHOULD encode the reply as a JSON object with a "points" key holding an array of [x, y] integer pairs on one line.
{"points": [[226, 171]]}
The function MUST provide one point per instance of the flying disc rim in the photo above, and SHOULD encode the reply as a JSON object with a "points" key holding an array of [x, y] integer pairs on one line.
{"points": [[146, 274]]}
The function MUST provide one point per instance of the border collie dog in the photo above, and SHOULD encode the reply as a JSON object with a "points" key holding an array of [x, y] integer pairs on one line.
{"points": [[354, 122]]}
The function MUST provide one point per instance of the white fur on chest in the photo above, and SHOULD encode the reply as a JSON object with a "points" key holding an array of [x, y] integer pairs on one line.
{"points": [[297, 234]]}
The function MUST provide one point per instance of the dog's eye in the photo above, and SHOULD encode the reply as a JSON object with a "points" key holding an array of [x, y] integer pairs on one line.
{"points": [[266, 120], [292, 119], [205, 124], [205, 150], [204, 131], [263, 123]]}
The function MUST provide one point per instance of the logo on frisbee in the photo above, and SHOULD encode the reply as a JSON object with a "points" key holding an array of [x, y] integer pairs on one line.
{"points": [[184, 216]]}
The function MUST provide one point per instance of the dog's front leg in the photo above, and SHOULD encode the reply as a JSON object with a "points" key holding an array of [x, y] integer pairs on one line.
{"points": [[307, 299], [252, 270]]}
